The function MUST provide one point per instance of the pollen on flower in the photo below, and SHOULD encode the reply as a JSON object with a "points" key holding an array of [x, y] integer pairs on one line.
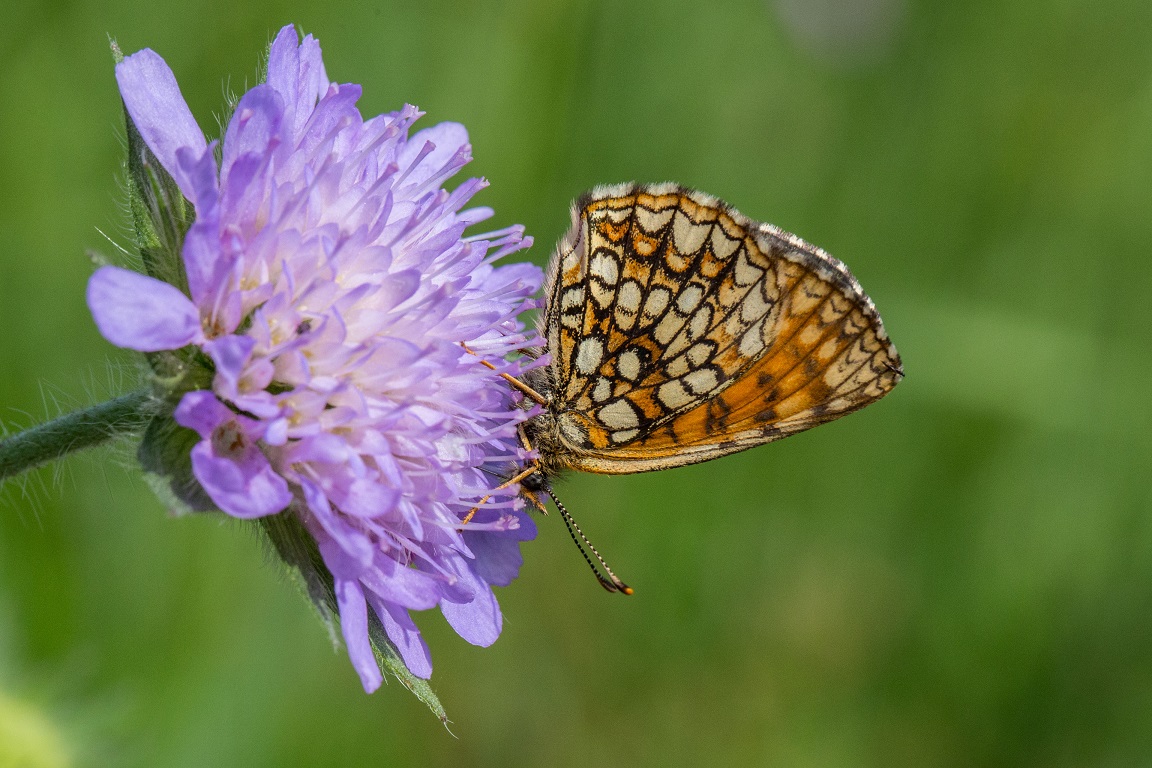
{"points": [[354, 337]]}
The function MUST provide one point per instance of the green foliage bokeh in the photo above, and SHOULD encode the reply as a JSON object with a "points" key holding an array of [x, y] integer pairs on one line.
{"points": [[959, 575]]}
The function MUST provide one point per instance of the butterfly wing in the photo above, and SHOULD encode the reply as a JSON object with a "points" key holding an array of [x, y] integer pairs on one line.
{"points": [[682, 331]]}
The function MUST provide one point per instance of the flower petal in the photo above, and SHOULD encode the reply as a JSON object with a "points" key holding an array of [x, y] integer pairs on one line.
{"points": [[254, 128], [205, 261], [430, 152], [296, 72], [404, 634], [231, 355], [201, 411], [497, 553], [139, 312], [399, 584], [158, 109], [478, 621], [243, 491], [241, 482], [354, 627]]}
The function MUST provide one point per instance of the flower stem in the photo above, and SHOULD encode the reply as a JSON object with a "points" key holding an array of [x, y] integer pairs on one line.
{"points": [[73, 432]]}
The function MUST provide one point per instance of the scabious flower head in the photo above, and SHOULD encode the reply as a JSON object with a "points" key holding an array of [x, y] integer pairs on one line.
{"points": [[330, 323]]}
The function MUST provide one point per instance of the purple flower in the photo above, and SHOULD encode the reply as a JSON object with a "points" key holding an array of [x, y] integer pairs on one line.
{"points": [[342, 321]]}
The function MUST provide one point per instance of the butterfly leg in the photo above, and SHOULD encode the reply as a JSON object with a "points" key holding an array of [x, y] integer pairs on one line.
{"points": [[515, 382], [528, 471]]}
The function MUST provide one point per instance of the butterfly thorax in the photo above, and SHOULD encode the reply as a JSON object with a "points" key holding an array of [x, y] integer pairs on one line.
{"points": [[543, 432]]}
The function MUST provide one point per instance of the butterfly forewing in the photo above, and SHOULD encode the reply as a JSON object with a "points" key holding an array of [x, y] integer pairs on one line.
{"points": [[680, 331]]}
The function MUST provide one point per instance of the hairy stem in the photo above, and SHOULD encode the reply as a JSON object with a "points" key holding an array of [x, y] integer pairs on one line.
{"points": [[73, 432]]}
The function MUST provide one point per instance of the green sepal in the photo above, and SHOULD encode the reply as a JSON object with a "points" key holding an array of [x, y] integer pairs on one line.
{"points": [[176, 371], [390, 661], [160, 214], [298, 550], [296, 547], [165, 454], [168, 364]]}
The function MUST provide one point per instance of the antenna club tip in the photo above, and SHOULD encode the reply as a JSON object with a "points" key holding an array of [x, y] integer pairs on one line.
{"points": [[626, 590]]}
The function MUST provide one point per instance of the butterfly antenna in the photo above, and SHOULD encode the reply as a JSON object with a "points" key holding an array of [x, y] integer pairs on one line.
{"points": [[612, 582]]}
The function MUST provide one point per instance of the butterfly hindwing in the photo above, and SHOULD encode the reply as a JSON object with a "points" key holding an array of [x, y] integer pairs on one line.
{"points": [[680, 331]]}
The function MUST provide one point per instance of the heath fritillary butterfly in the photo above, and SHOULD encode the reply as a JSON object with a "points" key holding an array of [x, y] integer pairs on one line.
{"points": [[680, 331]]}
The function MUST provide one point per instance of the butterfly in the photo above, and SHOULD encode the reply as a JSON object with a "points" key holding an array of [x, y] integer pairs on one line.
{"points": [[680, 330]]}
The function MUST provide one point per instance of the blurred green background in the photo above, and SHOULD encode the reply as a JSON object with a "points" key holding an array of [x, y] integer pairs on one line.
{"points": [[960, 575]]}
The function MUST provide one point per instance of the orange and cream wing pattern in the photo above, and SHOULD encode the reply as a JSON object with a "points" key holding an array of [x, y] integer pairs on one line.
{"points": [[680, 331]]}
